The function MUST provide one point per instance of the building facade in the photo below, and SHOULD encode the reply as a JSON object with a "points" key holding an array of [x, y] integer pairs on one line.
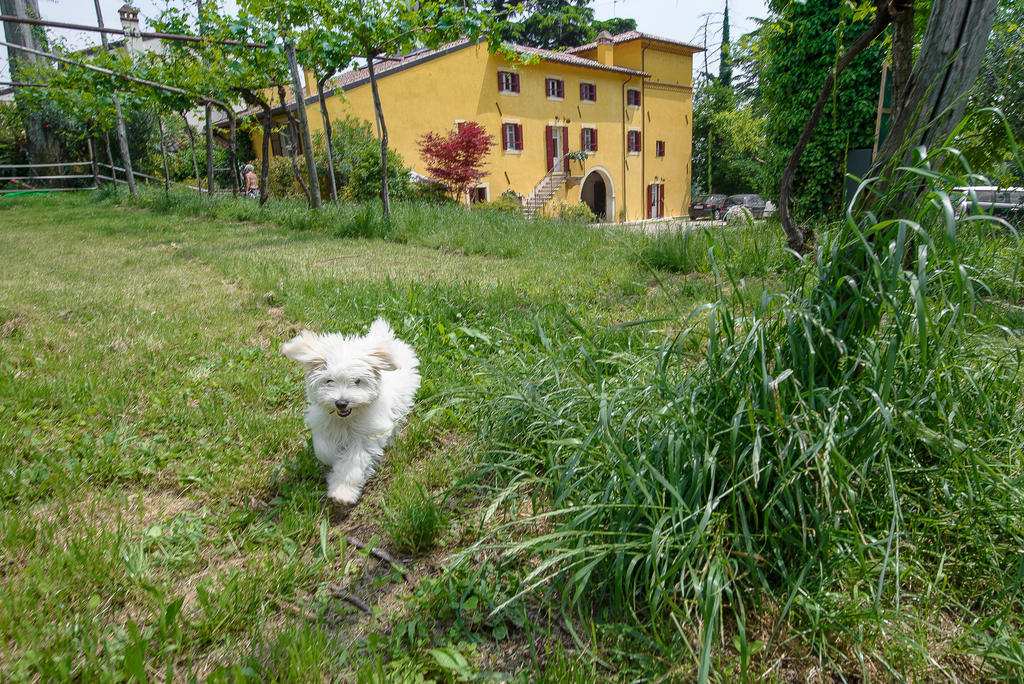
{"points": [[625, 100]]}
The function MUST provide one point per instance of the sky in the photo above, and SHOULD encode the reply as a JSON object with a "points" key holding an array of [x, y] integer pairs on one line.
{"points": [[681, 20]]}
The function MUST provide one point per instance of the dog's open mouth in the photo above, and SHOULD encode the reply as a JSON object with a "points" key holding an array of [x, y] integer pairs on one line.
{"points": [[344, 412]]}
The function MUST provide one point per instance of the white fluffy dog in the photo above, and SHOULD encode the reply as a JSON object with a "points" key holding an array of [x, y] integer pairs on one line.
{"points": [[359, 391]]}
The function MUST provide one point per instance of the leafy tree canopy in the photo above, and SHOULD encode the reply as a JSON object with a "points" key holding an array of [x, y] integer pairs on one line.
{"points": [[788, 57], [554, 24]]}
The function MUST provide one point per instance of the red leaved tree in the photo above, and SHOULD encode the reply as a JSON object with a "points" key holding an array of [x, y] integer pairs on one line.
{"points": [[456, 158]]}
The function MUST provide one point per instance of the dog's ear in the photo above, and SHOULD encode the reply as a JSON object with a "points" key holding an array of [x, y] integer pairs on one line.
{"points": [[305, 348], [380, 359]]}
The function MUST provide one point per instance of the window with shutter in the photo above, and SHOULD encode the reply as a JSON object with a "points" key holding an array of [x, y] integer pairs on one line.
{"points": [[659, 148], [508, 82], [588, 92], [633, 142], [511, 137], [555, 88], [588, 139], [633, 97]]}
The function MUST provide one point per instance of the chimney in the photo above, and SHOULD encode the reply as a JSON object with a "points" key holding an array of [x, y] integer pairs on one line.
{"points": [[605, 50], [130, 23]]}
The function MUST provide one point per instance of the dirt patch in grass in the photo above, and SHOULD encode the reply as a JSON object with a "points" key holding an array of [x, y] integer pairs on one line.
{"points": [[138, 510]]}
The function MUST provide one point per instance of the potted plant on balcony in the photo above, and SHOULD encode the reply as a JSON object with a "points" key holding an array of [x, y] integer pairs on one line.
{"points": [[578, 155]]}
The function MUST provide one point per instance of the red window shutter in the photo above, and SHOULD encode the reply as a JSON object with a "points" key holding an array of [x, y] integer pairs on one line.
{"points": [[519, 136], [565, 147], [549, 135], [661, 201], [561, 89], [593, 140], [650, 199], [583, 140], [501, 81], [583, 91], [515, 83], [593, 93]]}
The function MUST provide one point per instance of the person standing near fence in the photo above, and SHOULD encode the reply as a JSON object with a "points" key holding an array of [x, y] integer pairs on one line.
{"points": [[252, 182]]}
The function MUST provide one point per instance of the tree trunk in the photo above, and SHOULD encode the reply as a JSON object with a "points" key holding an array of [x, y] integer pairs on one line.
{"points": [[265, 159], [43, 145], [163, 155], [211, 186], [232, 155], [902, 56], [192, 145], [122, 133], [122, 140], [796, 237], [293, 136], [382, 134], [327, 136], [307, 143], [110, 161], [947, 65], [92, 159]]}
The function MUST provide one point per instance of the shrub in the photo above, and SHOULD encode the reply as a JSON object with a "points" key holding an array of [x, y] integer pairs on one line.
{"points": [[576, 213]]}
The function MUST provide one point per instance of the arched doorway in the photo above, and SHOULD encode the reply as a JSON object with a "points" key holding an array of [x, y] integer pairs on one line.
{"points": [[598, 194]]}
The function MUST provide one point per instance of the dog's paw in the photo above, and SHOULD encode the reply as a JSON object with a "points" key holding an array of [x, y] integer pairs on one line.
{"points": [[344, 494]]}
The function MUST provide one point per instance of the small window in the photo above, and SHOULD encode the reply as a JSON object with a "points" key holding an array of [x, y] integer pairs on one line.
{"points": [[633, 97], [508, 82], [555, 88], [588, 139], [633, 141], [659, 148], [478, 194], [588, 92], [512, 137]]}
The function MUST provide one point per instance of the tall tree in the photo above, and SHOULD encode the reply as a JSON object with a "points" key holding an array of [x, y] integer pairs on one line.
{"points": [[43, 145], [932, 101], [553, 24], [725, 58], [786, 61]]}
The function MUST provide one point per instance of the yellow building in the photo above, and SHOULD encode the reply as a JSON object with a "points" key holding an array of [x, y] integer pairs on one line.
{"points": [[624, 99]]}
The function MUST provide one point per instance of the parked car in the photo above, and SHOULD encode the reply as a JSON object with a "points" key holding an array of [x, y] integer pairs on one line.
{"points": [[707, 206], [1005, 203], [753, 203]]}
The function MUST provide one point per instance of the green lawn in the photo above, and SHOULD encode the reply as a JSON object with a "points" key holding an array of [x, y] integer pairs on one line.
{"points": [[162, 508], [163, 516]]}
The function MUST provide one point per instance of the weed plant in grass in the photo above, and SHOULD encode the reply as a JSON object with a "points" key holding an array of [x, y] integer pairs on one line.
{"points": [[844, 462], [413, 519]]}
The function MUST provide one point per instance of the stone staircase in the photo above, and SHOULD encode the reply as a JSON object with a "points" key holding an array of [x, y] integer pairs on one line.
{"points": [[548, 186]]}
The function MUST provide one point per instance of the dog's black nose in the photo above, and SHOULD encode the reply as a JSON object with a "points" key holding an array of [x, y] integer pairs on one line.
{"points": [[342, 405]]}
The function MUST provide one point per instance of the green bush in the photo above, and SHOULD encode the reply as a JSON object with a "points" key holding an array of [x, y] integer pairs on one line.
{"points": [[576, 213]]}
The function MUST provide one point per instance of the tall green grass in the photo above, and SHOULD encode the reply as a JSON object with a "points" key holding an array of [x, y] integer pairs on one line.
{"points": [[446, 225], [747, 250], [845, 455]]}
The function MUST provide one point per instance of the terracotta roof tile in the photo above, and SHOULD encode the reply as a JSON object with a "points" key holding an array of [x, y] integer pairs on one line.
{"points": [[390, 63], [636, 35]]}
